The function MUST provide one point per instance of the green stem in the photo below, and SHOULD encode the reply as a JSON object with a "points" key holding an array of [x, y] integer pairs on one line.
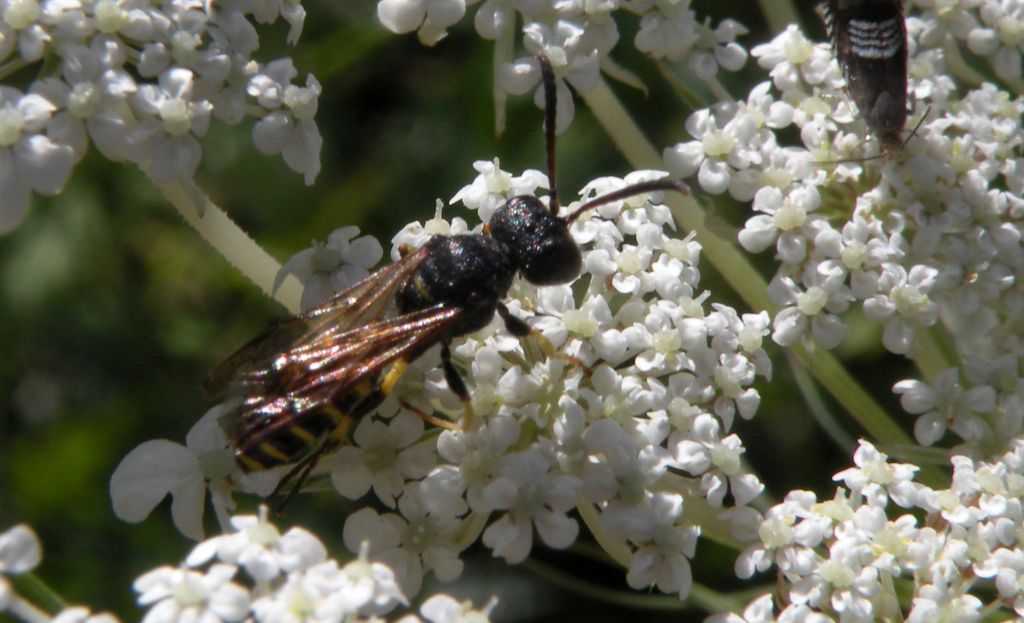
{"points": [[603, 594], [713, 601], [819, 410], [719, 91], [844, 388], [686, 95], [35, 594], [697, 511], [779, 14], [11, 67], [241, 251], [24, 610], [930, 354], [615, 547]]}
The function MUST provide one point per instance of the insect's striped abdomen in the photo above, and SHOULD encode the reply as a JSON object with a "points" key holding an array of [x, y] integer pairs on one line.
{"points": [[287, 430]]}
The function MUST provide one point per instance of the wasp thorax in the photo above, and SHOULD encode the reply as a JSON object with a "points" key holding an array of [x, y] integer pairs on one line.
{"points": [[539, 241]]}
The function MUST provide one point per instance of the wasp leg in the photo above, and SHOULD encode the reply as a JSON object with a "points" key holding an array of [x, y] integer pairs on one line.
{"points": [[519, 328], [431, 419], [299, 474], [456, 384], [391, 377]]}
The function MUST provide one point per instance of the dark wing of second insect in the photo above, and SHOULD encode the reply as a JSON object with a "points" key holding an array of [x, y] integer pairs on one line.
{"points": [[869, 38]]}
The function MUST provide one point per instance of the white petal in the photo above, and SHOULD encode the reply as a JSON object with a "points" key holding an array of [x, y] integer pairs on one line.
{"points": [[45, 164], [20, 550], [147, 474], [401, 16]]}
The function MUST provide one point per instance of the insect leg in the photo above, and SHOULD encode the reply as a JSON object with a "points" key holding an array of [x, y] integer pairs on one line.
{"points": [[519, 328], [456, 384], [429, 418], [300, 473]]}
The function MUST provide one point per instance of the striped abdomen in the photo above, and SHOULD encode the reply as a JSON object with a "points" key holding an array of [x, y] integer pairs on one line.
{"points": [[286, 430]]}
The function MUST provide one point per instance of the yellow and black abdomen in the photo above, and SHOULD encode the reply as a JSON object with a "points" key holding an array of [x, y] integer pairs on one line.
{"points": [[286, 430]]}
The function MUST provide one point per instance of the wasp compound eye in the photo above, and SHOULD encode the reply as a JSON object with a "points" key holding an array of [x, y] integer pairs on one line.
{"points": [[539, 241]]}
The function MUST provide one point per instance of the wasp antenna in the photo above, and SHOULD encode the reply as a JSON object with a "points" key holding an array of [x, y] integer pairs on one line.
{"points": [[628, 191], [550, 112]]}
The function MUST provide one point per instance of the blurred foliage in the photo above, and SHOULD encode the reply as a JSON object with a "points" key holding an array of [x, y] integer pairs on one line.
{"points": [[112, 310]]}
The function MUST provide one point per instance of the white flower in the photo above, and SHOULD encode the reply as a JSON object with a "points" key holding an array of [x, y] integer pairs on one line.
{"points": [[445, 609], [164, 142], [370, 587], [182, 594], [30, 161], [431, 18], [410, 544], [260, 549], [157, 468], [493, 187], [532, 495], [384, 456], [79, 614], [903, 301], [662, 548], [326, 269], [944, 403], [793, 59], [288, 128]]}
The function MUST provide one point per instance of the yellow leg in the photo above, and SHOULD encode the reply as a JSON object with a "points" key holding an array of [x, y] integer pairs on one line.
{"points": [[440, 422], [391, 378], [550, 350]]}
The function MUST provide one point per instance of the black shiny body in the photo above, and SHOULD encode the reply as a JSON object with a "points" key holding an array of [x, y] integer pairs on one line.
{"points": [[472, 271], [537, 240], [869, 38]]}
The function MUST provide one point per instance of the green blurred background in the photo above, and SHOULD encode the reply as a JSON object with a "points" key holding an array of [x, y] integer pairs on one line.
{"points": [[112, 310]]}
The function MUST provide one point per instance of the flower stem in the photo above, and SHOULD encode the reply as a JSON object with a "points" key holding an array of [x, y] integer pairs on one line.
{"points": [[930, 354], [820, 411], [602, 594], [33, 590], [616, 548], [230, 241], [779, 14]]}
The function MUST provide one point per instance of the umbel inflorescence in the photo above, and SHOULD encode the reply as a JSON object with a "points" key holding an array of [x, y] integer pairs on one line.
{"points": [[923, 245]]}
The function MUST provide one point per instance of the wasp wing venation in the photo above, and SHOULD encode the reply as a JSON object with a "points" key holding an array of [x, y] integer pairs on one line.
{"points": [[290, 424], [365, 351], [252, 365]]}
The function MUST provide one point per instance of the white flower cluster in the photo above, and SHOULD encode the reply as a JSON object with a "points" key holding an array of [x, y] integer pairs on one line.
{"points": [[844, 558], [287, 578], [141, 80], [629, 443], [20, 552], [931, 232], [577, 36]]}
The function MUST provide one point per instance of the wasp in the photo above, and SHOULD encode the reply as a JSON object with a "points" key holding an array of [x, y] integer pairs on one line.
{"points": [[301, 384], [869, 39]]}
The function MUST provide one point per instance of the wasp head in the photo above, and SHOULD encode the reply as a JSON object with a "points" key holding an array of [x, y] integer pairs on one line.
{"points": [[538, 241]]}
